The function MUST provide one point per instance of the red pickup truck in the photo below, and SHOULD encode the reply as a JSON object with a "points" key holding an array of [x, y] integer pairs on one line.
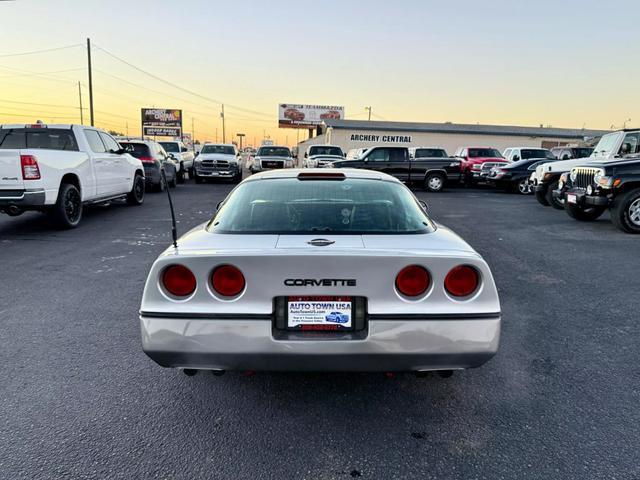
{"points": [[477, 162]]}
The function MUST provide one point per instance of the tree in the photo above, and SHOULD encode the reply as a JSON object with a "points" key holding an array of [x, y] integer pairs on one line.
{"points": [[116, 134]]}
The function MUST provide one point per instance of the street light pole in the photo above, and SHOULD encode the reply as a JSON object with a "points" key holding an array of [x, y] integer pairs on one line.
{"points": [[80, 98], [224, 135], [90, 80], [369, 110], [240, 136]]}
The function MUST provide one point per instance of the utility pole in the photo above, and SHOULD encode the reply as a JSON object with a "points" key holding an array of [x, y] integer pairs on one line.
{"points": [[193, 135], [224, 135], [216, 134], [369, 109], [126, 126], [80, 98], [240, 136], [90, 80]]}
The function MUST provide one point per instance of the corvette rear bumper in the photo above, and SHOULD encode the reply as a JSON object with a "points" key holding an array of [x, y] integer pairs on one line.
{"points": [[385, 345]]}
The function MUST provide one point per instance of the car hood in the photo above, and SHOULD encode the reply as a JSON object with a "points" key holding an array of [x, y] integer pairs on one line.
{"points": [[326, 157], [272, 157], [216, 156], [476, 160], [560, 166]]}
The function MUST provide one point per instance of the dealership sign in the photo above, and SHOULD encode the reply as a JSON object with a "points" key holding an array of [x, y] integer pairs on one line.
{"points": [[368, 138], [162, 122], [306, 116]]}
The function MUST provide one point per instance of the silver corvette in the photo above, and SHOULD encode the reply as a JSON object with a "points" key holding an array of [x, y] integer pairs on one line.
{"points": [[324, 270]]}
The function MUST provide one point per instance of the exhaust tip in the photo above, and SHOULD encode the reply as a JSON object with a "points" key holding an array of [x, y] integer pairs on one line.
{"points": [[189, 372]]}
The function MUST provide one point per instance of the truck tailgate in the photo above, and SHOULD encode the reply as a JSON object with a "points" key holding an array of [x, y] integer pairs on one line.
{"points": [[10, 171]]}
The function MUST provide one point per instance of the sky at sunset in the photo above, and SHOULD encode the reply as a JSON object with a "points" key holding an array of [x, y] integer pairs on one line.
{"points": [[565, 64]]}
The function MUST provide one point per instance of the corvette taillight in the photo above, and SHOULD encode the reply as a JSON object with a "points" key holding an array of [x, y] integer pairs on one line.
{"points": [[227, 280], [462, 281], [178, 280], [413, 280], [30, 169]]}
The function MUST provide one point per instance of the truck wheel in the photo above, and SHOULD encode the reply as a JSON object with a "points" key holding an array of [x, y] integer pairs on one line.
{"points": [[541, 197], [583, 214], [136, 195], [625, 211], [237, 178], [180, 174], [197, 178], [554, 202], [434, 182], [67, 211]]}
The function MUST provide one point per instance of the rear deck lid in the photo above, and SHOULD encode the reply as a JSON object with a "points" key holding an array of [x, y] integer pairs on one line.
{"points": [[10, 172]]}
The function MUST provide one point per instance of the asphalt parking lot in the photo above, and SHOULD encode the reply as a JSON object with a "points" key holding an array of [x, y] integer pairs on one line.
{"points": [[79, 399]]}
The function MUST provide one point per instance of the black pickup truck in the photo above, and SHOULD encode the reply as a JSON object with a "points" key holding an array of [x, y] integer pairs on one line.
{"points": [[590, 189], [431, 172]]}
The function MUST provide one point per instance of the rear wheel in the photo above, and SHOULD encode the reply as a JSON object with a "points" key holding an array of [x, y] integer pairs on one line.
{"points": [[136, 195], [583, 214], [625, 211], [434, 182], [67, 211], [159, 187], [556, 203], [180, 174]]}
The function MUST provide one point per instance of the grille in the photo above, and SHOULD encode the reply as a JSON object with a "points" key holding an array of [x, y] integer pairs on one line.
{"points": [[215, 164], [272, 164], [584, 176], [487, 166]]}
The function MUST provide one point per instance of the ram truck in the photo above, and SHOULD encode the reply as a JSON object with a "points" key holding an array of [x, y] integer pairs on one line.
{"points": [[57, 169], [431, 172], [611, 148]]}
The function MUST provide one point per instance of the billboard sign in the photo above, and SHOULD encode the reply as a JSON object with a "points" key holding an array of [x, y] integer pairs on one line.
{"points": [[306, 116], [162, 122]]}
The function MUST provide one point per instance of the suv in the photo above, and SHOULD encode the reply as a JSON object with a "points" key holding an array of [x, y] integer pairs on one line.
{"points": [[477, 162], [58, 169], [318, 156], [154, 160], [611, 147], [182, 155], [567, 153], [590, 189]]}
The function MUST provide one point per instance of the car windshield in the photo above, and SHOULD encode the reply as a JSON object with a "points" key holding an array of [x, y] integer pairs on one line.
{"points": [[322, 150], [274, 152], [170, 147], [44, 138], [582, 152], [220, 149], [537, 153], [136, 149], [607, 143], [430, 153], [484, 153], [350, 206]]}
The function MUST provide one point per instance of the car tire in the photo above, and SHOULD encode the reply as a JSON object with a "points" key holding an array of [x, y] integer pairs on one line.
{"points": [[554, 202], [173, 183], [625, 211], [434, 182], [159, 187], [523, 187], [67, 211], [541, 197], [237, 178], [136, 195], [196, 178], [180, 174], [582, 214]]}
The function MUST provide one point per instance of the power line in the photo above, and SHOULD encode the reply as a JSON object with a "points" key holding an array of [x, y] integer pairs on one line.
{"points": [[37, 74], [33, 115], [57, 105], [33, 52], [160, 79]]}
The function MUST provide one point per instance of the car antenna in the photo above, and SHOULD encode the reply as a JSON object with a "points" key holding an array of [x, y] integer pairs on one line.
{"points": [[174, 228]]}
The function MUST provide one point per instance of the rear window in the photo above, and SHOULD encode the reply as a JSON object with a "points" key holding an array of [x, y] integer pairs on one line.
{"points": [[322, 150], [136, 149], [219, 149], [484, 152], [350, 207], [171, 147], [536, 153], [430, 153], [41, 138], [274, 152]]}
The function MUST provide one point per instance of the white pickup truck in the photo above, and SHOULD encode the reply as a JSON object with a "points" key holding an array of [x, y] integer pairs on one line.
{"points": [[59, 168], [610, 148]]}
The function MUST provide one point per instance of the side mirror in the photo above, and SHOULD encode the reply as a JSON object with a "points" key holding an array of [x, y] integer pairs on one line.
{"points": [[172, 156], [515, 158], [184, 149], [120, 151], [197, 153], [306, 154]]}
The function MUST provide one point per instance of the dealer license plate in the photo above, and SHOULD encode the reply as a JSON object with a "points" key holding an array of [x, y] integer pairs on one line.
{"points": [[571, 198], [319, 313]]}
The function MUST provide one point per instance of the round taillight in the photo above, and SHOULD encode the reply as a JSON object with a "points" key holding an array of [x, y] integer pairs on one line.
{"points": [[227, 280], [178, 280], [462, 281], [413, 280]]}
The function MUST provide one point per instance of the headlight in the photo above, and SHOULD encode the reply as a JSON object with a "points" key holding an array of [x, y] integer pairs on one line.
{"points": [[477, 166], [604, 182], [288, 163], [573, 175], [589, 189], [598, 175]]}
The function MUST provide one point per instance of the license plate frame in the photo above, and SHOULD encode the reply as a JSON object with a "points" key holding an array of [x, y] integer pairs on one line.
{"points": [[318, 306]]}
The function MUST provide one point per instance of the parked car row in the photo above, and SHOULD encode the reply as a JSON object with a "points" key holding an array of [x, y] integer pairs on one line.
{"points": [[586, 187]]}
